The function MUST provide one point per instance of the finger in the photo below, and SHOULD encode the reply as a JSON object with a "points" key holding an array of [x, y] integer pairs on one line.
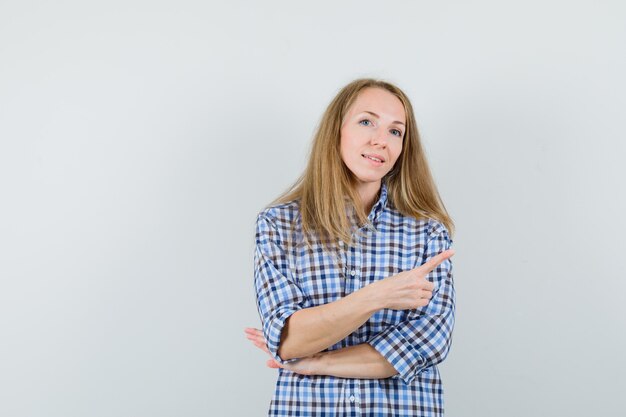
{"points": [[435, 261], [272, 364], [251, 337], [259, 334], [259, 341], [255, 342], [258, 337], [252, 330], [254, 335], [262, 346]]}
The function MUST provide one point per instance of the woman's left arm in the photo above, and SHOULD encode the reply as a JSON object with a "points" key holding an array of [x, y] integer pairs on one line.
{"points": [[359, 361]]}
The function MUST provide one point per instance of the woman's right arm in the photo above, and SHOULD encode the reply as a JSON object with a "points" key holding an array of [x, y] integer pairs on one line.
{"points": [[293, 328], [311, 330]]}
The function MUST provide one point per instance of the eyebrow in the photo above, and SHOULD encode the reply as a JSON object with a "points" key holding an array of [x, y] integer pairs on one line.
{"points": [[374, 114]]}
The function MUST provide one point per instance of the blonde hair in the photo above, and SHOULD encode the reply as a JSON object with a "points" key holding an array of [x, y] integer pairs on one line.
{"points": [[326, 190]]}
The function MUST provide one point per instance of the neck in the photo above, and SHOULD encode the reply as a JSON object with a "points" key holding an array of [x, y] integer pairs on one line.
{"points": [[369, 194]]}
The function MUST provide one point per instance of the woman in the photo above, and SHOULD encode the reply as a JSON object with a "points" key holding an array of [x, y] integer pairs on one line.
{"points": [[353, 278]]}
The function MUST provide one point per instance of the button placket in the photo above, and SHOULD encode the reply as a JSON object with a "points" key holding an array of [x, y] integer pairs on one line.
{"points": [[352, 394], [350, 270], [354, 267]]}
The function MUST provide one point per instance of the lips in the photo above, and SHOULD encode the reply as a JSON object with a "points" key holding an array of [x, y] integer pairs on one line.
{"points": [[373, 157]]}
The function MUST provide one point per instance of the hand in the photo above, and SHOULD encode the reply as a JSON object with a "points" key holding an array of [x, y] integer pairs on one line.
{"points": [[410, 289], [310, 365], [256, 337]]}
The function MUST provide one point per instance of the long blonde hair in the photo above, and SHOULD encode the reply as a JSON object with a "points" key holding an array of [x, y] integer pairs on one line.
{"points": [[326, 190]]}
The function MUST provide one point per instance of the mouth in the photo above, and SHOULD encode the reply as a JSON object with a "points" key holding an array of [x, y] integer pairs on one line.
{"points": [[376, 159]]}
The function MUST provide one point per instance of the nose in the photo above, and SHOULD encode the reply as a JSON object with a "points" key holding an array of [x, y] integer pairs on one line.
{"points": [[379, 138]]}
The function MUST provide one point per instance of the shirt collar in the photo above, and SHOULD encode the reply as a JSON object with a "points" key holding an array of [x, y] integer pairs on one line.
{"points": [[380, 205]]}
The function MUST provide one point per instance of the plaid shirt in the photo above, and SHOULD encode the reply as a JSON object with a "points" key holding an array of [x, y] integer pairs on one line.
{"points": [[413, 341]]}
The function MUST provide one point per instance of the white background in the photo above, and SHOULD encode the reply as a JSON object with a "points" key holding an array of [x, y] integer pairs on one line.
{"points": [[138, 140]]}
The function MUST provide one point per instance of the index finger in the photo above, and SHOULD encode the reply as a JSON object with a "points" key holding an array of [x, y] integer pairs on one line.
{"points": [[435, 261]]}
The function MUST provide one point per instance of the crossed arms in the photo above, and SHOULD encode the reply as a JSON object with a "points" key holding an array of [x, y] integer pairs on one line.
{"points": [[295, 334]]}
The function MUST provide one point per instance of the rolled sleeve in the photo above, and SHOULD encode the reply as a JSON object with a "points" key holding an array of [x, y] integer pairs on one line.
{"points": [[278, 295], [424, 339]]}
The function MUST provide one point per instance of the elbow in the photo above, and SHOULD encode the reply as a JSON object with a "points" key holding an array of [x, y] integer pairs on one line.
{"points": [[284, 350], [283, 353], [291, 349], [288, 350], [439, 355], [288, 347]]}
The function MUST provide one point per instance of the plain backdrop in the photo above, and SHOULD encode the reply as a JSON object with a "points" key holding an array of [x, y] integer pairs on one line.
{"points": [[139, 139]]}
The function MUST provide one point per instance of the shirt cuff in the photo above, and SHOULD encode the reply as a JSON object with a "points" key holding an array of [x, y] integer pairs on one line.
{"points": [[273, 330], [393, 346]]}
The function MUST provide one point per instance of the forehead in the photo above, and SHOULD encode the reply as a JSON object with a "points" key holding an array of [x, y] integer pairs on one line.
{"points": [[379, 101]]}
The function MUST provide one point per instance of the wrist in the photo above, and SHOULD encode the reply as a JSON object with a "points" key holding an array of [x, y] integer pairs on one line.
{"points": [[320, 363], [372, 297]]}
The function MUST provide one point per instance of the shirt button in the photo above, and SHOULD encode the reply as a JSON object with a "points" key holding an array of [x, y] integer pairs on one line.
{"points": [[353, 272], [352, 398]]}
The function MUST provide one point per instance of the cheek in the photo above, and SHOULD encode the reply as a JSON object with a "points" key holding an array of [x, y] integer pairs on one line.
{"points": [[396, 153], [342, 149], [345, 147]]}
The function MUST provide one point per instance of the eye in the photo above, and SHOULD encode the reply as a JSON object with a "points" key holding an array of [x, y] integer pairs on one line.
{"points": [[395, 132]]}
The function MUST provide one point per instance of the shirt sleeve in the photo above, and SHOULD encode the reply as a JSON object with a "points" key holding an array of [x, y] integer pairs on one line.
{"points": [[278, 295], [424, 338]]}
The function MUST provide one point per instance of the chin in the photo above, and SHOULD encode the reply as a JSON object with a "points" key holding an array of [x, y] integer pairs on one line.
{"points": [[366, 175], [368, 178]]}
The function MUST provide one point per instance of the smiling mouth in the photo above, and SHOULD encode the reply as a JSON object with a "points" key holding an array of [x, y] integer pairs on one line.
{"points": [[372, 158]]}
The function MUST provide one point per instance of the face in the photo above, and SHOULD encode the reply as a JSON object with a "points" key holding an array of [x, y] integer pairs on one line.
{"points": [[371, 135]]}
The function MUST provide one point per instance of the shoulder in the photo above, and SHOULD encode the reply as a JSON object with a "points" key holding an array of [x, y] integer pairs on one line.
{"points": [[280, 216], [425, 228], [436, 228]]}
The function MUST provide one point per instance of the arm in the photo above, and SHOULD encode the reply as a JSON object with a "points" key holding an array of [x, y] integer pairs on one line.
{"points": [[314, 329], [359, 361], [292, 328], [425, 338]]}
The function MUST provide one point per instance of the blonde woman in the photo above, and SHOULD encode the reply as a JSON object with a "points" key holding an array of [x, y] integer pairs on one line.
{"points": [[352, 273]]}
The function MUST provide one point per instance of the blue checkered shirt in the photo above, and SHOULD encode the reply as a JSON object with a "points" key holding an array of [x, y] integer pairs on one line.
{"points": [[413, 341]]}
